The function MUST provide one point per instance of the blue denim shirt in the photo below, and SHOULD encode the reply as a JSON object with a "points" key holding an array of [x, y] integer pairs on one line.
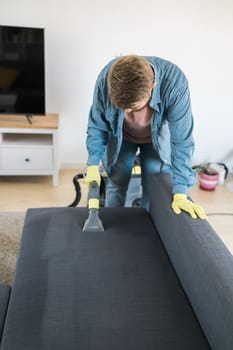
{"points": [[171, 124]]}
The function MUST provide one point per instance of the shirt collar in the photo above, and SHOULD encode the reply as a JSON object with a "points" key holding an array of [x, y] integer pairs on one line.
{"points": [[155, 97]]}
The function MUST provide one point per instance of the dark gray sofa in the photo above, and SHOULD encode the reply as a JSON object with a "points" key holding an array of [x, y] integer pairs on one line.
{"points": [[149, 281], [4, 299]]}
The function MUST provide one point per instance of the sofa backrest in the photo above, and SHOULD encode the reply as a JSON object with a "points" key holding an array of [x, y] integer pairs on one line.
{"points": [[202, 262]]}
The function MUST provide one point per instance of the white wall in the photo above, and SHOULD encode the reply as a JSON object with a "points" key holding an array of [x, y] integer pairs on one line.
{"points": [[82, 36]]}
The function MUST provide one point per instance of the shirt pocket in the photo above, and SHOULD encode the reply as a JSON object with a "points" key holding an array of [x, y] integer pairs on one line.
{"points": [[111, 151], [164, 143], [112, 116]]}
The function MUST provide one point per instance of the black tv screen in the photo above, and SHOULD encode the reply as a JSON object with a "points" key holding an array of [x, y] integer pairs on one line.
{"points": [[22, 70]]}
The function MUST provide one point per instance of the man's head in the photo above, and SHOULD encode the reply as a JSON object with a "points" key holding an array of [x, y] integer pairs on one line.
{"points": [[130, 82]]}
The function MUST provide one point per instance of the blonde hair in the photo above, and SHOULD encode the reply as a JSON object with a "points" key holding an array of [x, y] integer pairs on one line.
{"points": [[130, 79]]}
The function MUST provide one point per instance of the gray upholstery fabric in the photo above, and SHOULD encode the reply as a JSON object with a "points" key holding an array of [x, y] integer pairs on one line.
{"points": [[202, 262], [4, 298], [111, 290]]}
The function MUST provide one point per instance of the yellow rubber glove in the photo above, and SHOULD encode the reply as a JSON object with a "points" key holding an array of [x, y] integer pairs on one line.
{"points": [[92, 174], [181, 202]]}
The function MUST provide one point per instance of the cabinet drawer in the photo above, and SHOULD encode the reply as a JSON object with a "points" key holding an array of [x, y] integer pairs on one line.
{"points": [[26, 159]]}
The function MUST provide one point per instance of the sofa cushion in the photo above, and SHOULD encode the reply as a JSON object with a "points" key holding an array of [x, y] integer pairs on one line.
{"points": [[97, 290]]}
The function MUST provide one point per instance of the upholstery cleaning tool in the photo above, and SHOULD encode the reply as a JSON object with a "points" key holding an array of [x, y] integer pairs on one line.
{"points": [[93, 222]]}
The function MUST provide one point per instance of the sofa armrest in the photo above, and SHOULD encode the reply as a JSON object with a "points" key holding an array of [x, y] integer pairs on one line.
{"points": [[202, 262], [4, 299]]}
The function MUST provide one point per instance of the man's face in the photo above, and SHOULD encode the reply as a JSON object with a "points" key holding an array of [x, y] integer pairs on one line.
{"points": [[138, 106]]}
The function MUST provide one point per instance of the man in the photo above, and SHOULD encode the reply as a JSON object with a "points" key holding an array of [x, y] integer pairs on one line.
{"points": [[142, 103]]}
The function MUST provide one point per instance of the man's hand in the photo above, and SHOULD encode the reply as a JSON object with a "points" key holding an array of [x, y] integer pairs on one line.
{"points": [[181, 202], [92, 175]]}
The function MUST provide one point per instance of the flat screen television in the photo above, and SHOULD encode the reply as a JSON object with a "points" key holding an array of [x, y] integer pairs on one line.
{"points": [[22, 71]]}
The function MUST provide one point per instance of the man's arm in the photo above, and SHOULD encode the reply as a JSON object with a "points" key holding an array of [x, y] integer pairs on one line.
{"points": [[180, 120]]}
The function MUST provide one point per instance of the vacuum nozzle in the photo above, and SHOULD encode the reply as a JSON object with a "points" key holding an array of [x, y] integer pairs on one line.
{"points": [[93, 222]]}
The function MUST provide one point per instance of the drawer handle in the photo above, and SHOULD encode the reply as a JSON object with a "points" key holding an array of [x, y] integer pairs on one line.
{"points": [[27, 160]]}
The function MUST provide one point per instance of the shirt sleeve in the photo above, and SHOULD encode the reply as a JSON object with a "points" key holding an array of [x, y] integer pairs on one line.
{"points": [[97, 129], [180, 120]]}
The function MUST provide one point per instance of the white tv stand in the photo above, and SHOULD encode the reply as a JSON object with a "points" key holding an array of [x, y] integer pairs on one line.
{"points": [[29, 148]]}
